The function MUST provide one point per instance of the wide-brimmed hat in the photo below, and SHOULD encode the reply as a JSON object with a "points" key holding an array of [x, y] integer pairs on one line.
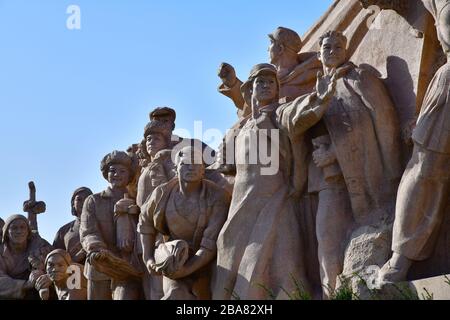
{"points": [[259, 69]]}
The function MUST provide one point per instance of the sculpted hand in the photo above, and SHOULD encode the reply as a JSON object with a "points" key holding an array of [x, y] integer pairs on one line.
{"points": [[97, 255], [151, 267], [324, 158], [326, 85], [124, 205], [125, 245], [32, 278], [79, 256], [43, 282], [227, 74]]}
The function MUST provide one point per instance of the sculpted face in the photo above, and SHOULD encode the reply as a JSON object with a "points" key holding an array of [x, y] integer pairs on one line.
{"points": [[57, 268], [190, 166], [190, 172], [18, 232], [333, 53], [118, 176], [275, 51], [265, 89], [78, 202], [154, 143]]}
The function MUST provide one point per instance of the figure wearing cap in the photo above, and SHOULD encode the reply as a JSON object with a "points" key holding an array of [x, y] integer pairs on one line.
{"points": [[106, 230], [159, 147], [297, 74], [261, 242], [159, 169], [68, 236], [190, 211], [156, 147], [296, 71], [165, 117], [20, 244]]}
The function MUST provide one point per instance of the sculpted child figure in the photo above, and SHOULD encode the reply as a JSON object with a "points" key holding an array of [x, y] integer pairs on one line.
{"points": [[58, 277]]}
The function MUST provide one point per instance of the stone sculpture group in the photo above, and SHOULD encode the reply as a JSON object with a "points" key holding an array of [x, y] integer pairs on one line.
{"points": [[352, 185]]}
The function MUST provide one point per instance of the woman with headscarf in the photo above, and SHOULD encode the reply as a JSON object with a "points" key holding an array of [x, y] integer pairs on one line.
{"points": [[19, 244], [68, 236]]}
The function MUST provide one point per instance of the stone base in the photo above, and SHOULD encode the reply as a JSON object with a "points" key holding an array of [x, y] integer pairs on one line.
{"points": [[436, 288]]}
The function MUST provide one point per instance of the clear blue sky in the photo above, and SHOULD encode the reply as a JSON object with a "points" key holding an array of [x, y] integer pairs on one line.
{"points": [[68, 97]]}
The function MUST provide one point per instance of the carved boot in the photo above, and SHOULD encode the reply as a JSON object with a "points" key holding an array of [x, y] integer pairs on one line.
{"points": [[395, 270]]}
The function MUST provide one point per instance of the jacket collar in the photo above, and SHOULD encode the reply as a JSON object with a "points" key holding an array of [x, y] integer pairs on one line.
{"points": [[108, 193]]}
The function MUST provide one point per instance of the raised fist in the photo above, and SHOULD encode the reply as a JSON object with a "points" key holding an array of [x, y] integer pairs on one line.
{"points": [[227, 74]]}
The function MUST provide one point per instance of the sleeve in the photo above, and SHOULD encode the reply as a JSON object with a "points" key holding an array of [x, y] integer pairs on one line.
{"points": [[90, 236], [384, 116], [234, 93], [298, 115], [215, 223], [146, 224], [58, 242], [431, 7], [10, 288]]}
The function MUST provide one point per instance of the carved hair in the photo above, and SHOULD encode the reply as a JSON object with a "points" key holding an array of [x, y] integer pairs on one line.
{"points": [[118, 157], [333, 34]]}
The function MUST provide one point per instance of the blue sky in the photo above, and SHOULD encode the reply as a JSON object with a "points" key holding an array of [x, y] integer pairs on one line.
{"points": [[68, 97]]}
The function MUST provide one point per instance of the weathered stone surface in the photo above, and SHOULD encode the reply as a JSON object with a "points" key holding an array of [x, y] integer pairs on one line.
{"points": [[437, 288], [369, 247]]}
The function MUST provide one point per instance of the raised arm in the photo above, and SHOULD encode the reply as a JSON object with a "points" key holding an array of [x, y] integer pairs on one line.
{"points": [[231, 85], [304, 112]]}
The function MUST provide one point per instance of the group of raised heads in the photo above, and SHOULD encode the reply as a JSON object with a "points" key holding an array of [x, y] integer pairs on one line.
{"points": [[178, 221]]}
